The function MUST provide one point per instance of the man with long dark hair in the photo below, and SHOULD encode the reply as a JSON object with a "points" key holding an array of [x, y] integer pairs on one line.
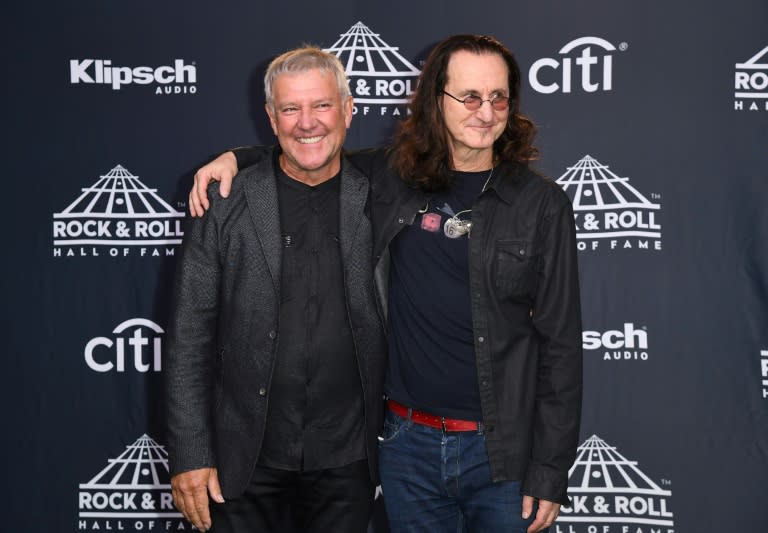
{"points": [[476, 271]]}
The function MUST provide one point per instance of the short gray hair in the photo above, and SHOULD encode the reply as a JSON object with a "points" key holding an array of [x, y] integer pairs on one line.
{"points": [[302, 60]]}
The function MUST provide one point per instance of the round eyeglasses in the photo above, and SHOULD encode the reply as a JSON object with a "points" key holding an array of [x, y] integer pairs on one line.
{"points": [[473, 102]]}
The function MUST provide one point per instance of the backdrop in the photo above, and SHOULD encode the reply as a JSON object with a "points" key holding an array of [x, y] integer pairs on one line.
{"points": [[652, 116]]}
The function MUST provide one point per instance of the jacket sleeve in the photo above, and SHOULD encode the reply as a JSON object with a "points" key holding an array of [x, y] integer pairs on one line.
{"points": [[249, 155], [557, 320], [191, 354]]}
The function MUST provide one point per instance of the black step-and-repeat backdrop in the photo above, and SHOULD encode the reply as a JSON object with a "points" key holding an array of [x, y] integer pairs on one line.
{"points": [[653, 117]]}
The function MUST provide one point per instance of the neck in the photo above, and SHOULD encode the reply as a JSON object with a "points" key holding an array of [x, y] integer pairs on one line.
{"points": [[473, 160], [310, 177]]}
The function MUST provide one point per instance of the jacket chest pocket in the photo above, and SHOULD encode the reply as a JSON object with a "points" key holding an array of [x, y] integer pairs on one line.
{"points": [[517, 264]]}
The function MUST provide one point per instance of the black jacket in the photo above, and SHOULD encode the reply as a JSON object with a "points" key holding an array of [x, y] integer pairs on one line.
{"points": [[526, 315], [224, 329]]}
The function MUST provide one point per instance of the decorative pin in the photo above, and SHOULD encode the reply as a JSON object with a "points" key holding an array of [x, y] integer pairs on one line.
{"points": [[455, 227]]}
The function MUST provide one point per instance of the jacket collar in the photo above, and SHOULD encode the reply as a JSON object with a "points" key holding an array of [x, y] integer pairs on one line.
{"points": [[508, 180], [263, 205]]}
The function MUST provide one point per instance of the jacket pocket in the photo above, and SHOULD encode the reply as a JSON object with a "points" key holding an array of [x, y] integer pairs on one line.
{"points": [[516, 268]]}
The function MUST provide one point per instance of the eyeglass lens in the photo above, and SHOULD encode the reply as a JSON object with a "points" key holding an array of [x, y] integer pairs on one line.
{"points": [[499, 103]]}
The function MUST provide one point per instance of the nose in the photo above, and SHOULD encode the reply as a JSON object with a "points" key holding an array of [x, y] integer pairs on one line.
{"points": [[485, 112], [306, 118]]}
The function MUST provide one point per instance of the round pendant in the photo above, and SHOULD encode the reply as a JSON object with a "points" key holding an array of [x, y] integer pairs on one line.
{"points": [[455, 228]]}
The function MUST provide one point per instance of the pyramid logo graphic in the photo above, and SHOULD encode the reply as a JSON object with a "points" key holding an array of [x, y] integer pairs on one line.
{"points": [[607, 488], [377, 72], [133, 487], [751, 83], [607, 206], [117, 210]]}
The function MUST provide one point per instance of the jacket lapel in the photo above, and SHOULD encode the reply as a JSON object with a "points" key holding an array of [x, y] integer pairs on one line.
{"points": [[261, 197], [352, 200]]}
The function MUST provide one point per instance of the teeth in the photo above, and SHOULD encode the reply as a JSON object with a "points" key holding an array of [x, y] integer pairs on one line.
{"points": [[310, 140]]}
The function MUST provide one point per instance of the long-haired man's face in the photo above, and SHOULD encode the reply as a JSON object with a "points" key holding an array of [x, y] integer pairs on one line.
{"points": [[472, 133]]}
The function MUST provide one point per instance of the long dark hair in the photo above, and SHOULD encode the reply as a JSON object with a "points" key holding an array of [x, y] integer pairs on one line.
{"points": [[422, 153]]}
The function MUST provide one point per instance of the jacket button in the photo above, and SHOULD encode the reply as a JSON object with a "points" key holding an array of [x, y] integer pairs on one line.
{"points": [[262, 391], [481, 339], [272, 334], [522, 251], [400, 220]]}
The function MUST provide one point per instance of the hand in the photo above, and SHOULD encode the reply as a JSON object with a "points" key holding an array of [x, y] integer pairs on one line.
{"points": [[545, 516], [190, 494], [222, 169]]}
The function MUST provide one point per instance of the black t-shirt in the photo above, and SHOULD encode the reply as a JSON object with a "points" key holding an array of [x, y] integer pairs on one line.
{"points": [[431, 351], [315, 415]]}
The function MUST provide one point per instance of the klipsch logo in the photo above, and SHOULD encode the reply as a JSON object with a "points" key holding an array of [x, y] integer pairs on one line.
{"points": [[609, 493], [378, 74], [136, 344], [591, 70], [132, 492], [117, 216], [751, 83], [609, 209], [626, 344], [179, 78]]}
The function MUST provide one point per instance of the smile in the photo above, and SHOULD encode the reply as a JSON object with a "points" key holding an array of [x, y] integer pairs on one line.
{"points": [[310, 140]]}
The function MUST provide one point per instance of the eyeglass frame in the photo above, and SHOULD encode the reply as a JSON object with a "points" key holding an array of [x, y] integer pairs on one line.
{"points": [[489, 100]]}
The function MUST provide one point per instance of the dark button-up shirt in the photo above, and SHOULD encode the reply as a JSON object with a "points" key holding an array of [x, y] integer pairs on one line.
{"points": [[315, 414]]}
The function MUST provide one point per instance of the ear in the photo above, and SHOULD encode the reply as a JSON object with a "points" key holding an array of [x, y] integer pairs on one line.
{"points": [[348, 106], [272, 118]]}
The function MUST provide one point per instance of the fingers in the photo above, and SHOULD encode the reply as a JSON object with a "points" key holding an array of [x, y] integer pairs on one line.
{"points": [[198, 203], [222, 169], [226, 184], [228, 164], [213, 487], [527, 506], [190, 495], [545, 516]]}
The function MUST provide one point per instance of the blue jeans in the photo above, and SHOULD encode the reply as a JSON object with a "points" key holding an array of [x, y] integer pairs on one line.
{"points": [[438, 482]]}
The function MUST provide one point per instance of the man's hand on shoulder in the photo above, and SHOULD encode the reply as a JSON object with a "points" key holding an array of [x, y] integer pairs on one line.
{"points": [[190, 494], [222, 169]]}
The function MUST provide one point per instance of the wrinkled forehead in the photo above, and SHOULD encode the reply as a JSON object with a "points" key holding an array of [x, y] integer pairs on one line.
{"points": [[314, 80]]}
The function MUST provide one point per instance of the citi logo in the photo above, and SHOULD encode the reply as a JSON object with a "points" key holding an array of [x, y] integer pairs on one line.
{"points": [[625, 344], [136, 343], [102, 72], [594, 64]]}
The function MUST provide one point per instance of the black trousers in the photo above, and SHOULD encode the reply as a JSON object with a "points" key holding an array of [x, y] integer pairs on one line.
{"points": [[281, 501]]}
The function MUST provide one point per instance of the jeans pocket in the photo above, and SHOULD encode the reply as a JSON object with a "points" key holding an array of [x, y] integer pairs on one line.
{"points": [[393, 426]]}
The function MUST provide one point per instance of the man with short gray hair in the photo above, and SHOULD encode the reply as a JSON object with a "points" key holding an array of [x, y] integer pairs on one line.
{"points": [[276, 351]]}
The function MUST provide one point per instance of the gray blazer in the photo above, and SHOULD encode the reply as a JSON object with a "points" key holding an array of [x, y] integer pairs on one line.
{"points": [[224, 330]]}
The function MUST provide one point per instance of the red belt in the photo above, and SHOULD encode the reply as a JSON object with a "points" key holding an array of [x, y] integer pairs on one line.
{"points": [[433, 421]]}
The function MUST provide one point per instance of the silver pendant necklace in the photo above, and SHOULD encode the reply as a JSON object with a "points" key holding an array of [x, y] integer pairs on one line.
{"points": [[455, 227]]}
